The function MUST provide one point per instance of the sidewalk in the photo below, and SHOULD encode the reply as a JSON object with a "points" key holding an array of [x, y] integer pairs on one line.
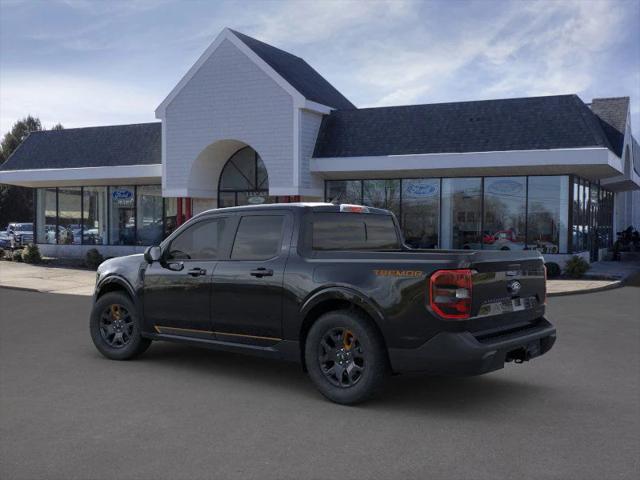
{"points": [[47, 279], [601, 276], [556, 288]]}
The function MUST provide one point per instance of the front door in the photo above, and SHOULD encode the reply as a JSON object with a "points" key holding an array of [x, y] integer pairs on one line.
{"points": [[247, 288], [177, 290]]}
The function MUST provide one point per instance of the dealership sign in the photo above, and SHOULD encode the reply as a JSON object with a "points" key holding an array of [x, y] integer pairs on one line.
{"points": [[256, 198], [122, 197]]}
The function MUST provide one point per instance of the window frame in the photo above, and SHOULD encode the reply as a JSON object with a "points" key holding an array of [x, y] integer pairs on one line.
{"points": [[313, 252], [165, 246], [285, 237]]}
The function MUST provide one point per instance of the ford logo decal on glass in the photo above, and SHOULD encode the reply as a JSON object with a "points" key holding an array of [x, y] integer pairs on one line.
{"points": [[122, 194], [514, 287], [505, 187], [422, 189]]}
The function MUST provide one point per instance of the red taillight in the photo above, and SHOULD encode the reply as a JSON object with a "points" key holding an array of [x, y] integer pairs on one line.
{"points": [[450, 293]]}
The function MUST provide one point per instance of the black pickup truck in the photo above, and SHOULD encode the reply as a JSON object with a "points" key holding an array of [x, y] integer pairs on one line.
{"points": [[331, 286]]}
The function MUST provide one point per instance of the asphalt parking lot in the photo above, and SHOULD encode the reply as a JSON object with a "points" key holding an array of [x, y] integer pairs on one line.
{"points": [[178, 412]]}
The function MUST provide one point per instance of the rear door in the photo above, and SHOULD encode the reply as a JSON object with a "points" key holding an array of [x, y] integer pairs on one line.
{"points": [[247, 294], [177, 290]]}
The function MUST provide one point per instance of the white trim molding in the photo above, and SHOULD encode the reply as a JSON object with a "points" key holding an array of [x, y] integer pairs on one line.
{"points": [[590, 162], [64, 177]]}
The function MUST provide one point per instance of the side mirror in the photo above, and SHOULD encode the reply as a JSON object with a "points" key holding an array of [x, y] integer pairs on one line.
{"points": [[152, 254]]}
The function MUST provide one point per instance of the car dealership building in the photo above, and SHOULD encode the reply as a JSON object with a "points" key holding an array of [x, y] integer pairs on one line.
{"points": [[252, 124]]}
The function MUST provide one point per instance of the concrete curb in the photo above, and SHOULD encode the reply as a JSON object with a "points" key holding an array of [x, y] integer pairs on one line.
{"points": [[55, 292], [24, 289], [617, 284]]}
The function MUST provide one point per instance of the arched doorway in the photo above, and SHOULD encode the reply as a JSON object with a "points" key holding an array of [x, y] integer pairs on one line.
{"points": [[244, 180]]}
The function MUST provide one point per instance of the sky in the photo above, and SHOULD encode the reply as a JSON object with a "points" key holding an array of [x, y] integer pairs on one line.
{"points": [[86, 63]]}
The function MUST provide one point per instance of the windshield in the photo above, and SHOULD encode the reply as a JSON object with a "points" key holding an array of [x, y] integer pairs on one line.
{"points": [[23, 227]]}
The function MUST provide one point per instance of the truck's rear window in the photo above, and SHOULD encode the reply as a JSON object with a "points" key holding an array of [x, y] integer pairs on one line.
{"points": [[354, 231]]}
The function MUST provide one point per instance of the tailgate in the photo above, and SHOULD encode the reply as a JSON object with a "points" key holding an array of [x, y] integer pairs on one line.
{"points": [[508, 289]]}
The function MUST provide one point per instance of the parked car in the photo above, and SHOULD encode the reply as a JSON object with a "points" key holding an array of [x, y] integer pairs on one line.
{"points": [[5, 241], [19, 234], [331, 286], [65, 235]]}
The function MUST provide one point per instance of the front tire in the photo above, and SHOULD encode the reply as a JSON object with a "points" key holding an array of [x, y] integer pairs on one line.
{"points": [[115, 327], [345, 357]]}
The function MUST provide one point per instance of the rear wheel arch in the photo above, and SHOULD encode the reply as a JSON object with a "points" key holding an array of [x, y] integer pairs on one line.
{"points": [[331, 303]]}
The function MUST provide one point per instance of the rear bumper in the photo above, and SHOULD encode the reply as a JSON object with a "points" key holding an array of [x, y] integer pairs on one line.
{"points": [[462, 353]]}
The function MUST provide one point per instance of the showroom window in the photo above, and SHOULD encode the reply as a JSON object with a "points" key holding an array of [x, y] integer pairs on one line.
{"points": [[420, 217], [344, 191], [69, 216], [504, 213], [122, 216], [548, 210], [382, 194], [46, 215], [101, 215], [94, 208], [149, 215], [461, 214]]}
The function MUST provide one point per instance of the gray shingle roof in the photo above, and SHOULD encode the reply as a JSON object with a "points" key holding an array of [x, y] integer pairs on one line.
{"points": [[298, 73], [532, 123], [612, 113], [109, 146]]}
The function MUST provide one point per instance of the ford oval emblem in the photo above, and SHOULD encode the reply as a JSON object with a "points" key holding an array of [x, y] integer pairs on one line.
{"points": [[505, 187], [514, 287], [122, 194], [422, 189]]}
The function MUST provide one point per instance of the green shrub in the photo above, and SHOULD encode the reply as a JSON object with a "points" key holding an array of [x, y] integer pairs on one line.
{"points": [[576, 266], [16, 256], [93, 259], [31, 254], [1, 253]]}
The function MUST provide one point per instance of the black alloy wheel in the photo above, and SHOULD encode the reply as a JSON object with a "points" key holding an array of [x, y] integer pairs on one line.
{"points": [[341, 357], [346, 357], [116, 326]]}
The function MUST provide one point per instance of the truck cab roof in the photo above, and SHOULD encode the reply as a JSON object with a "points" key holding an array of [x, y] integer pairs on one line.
{"points": [[313, 206]]}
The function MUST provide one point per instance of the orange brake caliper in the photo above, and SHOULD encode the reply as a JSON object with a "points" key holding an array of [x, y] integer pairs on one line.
{"points": [[347, 340]]}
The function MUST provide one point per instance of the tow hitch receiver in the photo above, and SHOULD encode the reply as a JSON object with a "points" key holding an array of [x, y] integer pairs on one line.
{"points": [[524, 354]]}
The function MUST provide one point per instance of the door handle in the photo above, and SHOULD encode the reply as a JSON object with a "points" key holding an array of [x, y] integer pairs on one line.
{"points": [[196, 272], [262, 272]]}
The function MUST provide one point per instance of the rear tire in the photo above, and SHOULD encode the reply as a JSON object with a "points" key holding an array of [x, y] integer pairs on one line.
{"points": [[345, 357], [115, 327]]}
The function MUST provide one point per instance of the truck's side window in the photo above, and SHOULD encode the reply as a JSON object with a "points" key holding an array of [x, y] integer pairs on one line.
{"points": [[200, 241], [258, 238], [354, 231]]}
